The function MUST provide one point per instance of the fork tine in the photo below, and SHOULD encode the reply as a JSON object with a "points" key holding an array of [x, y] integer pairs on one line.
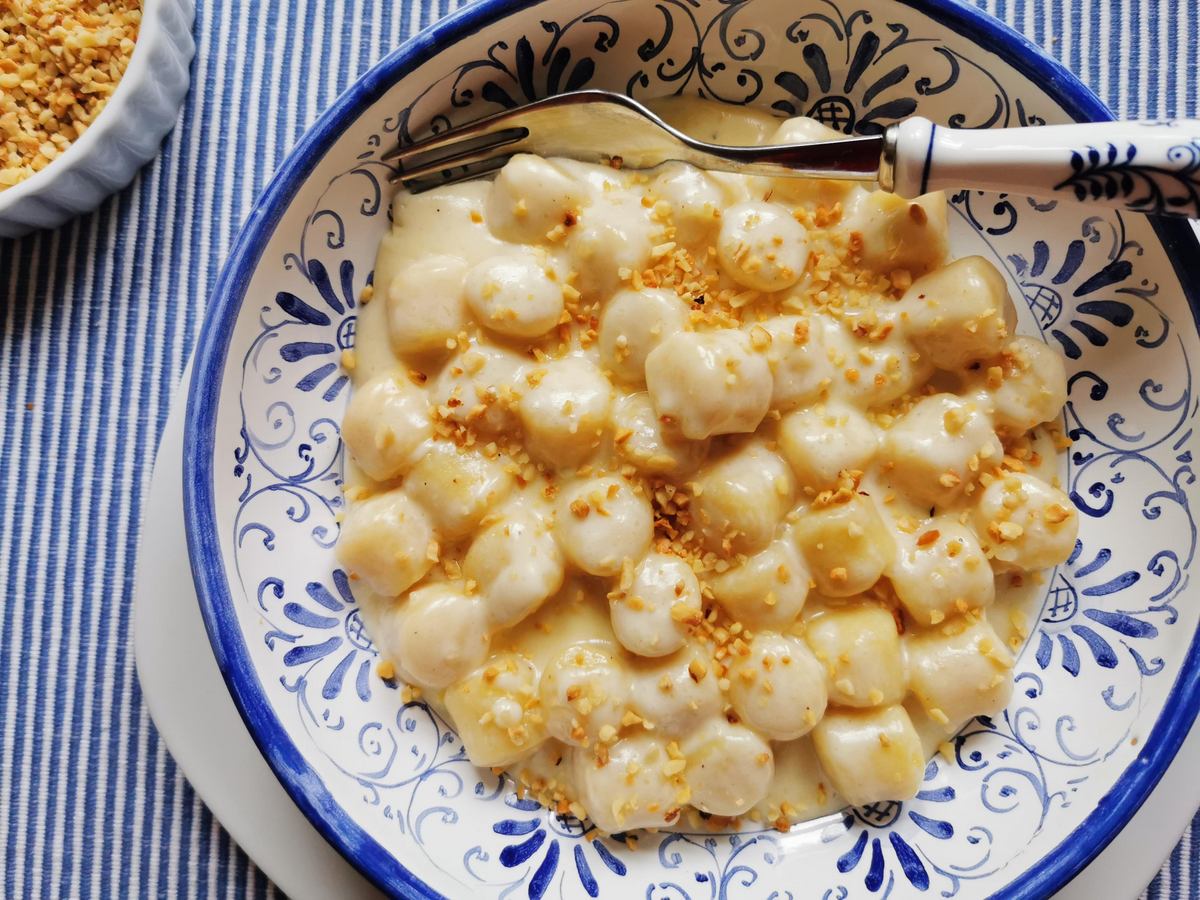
{"points": [[478, 130], [422, 169], [421, 185]]}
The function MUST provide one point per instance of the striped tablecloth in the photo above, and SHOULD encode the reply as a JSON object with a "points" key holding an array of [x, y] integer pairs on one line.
{"points": [[96, 323]]}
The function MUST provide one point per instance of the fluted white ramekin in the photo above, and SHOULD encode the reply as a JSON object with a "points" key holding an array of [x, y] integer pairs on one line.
{"points": [[124, 136]]}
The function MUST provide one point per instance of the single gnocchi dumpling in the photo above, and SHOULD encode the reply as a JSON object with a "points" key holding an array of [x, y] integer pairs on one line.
{"points": [[761, 246], [584, 692], [634, 323], [601, 522], [530, 197], [939, 446], [636, 788], [518, 295], [652, 615], [615, 233], [457, 487], [1030, 385], [811, 192], [495, 710], [940, 570], [425, 307], [870, 754], [821, 441], [860, 649], [517, 565], [768, 590], [438, 636], [642, 440], [894, 233], [742, 498], [387, 540], [676, 694], [386, 426], [778, 688], [959, 313], [846, 545], [709, 383], [693, 198], [729, 768], [476, 388], [565, 410], [795, 352], [1025, 523], [959, 671]]}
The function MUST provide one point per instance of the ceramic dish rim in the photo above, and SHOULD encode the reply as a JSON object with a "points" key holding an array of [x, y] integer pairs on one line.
{"points": [[136, 72], [300, 780]]}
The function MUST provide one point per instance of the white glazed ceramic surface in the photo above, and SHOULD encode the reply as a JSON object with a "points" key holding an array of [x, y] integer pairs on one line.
{"points": [[124, 136], [1108, 681]]}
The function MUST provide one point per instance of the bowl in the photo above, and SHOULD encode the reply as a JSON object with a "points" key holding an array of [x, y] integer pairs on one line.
{"points": [[124, 136], [1109, 680]]}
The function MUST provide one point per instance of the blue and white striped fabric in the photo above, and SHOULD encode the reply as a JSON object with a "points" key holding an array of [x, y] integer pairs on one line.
{"points": [[96, 323]]}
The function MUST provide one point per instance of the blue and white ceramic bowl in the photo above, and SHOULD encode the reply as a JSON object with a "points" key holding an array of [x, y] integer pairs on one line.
{"points": [[1109, 681]]}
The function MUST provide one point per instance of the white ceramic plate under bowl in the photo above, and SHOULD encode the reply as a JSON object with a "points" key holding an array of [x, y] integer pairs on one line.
{"points": [[1109, 680]]}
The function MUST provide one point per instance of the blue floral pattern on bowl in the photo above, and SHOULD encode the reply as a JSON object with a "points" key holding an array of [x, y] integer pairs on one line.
{"points": [[1113, 633]]}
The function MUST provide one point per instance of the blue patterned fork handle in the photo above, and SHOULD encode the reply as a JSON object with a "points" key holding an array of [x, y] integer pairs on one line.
{"points": [[1146, 167]]}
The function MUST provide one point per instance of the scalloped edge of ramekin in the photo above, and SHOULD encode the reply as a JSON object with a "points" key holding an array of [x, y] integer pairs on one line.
{"points": [[124, 136]]}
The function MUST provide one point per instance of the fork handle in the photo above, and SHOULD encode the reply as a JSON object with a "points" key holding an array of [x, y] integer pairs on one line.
{"points": [[1147, 167]]}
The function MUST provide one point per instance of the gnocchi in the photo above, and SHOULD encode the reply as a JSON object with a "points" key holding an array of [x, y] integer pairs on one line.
{"points": [[940, 570], [742, 498], [708, 384], [761, 246], [1026, 523], [603, 522], [387, 540], [959, 313], [516, 296], [686, 492], [457, 487], [650, 617], [961, 674], [768, 589], [494, 709], [439, 635], [862, 656], [426, 307], [729, 768], [824, 440], [633, 324], [517, 564], [778, 687], [565, 410], [650, 445], [870, 753], [386, 426], [940, 446], [846, 544]]}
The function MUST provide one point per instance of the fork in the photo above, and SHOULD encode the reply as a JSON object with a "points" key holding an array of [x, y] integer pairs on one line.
{"points": [[1149, 167]]}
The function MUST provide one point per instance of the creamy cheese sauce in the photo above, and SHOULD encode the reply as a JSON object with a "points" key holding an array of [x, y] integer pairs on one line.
{"points": [[686, 491]]}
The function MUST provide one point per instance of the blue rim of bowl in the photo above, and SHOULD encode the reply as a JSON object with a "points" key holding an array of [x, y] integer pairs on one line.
{"points": [[1058, 867]]}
